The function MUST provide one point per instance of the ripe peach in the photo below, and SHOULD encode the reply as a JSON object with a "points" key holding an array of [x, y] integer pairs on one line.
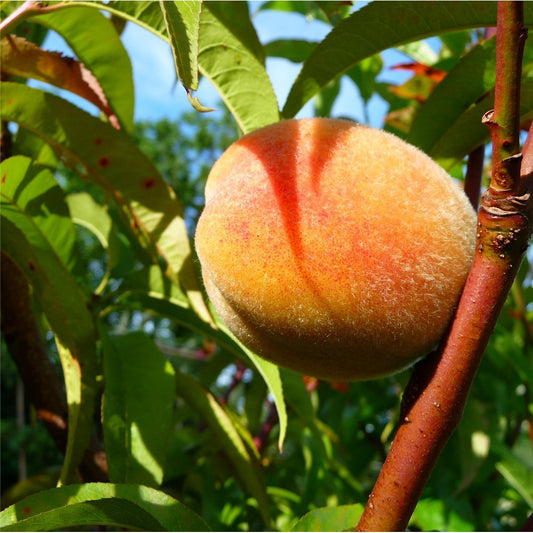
{"points": [[332, 248]]}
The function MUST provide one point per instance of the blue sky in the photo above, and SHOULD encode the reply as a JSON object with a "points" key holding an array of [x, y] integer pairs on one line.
{"points": [[158, 96]]}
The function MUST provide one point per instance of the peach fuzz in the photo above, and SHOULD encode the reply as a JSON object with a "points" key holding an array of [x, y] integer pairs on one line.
{"points": [[332, 248]]}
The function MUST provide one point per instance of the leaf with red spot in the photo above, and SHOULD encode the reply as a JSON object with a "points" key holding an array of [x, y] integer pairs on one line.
{"points": [[23, 58], [118, 166]]}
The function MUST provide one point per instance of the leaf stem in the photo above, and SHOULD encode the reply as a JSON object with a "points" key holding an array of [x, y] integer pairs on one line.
{"points": [[434, 399]]}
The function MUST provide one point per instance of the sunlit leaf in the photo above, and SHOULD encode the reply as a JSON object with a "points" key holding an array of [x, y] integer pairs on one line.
{"points": [[137, 408], [101, 504], [230, 56], [110, 159], [340, 518], [152, 291], [215, 416], [182, 21], [379, 26], [96, 43], [25, 192], [23, 58]]}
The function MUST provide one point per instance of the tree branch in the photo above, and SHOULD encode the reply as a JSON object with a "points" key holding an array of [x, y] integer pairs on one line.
{"points": [[434, 399]]}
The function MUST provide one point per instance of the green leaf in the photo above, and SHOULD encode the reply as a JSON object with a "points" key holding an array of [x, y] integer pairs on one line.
{"points": [[230, 56], [364, 74], [35, 191], [137, 408], [434, 515], [448, 126], [341, 518], [324, 101], [468, 82], [468, 132], [110, 159], [215, 416], [379, 26], [96, 43], [91, 215], [295, 50], [516, 473], [271, 375], [25, 192], [182, 20], [124, 506]]}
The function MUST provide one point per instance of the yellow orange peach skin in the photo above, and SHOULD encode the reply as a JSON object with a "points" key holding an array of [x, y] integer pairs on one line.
{"points": [[332, 248]]}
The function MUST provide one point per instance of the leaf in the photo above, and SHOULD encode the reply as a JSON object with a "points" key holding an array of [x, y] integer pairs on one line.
{"points": [[295, 50], [96, 43], [341, 518], [94, 217], [23, 58], [230, 56], [469, 81], [100, 504], [182, 21], [35, 192], [518, 475], [468, 132], [215, 416], [228, 59], [325, 100], [364, 74], [137, 408], [152, 291], [271, 375], [448, 126], [379, 26], [110, 159], [24, 192]]}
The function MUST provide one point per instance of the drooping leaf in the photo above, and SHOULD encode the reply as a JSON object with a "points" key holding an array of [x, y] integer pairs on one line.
{"points": [[111, 160], [100, 504], [182, 20], [215, 416], [23, 58], [341, 518], [230, 56], [24, 196], [137, 408], [96, 43], [379, 26]]}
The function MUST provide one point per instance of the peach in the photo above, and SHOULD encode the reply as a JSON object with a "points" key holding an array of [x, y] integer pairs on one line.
{"points": [[332, 248]]}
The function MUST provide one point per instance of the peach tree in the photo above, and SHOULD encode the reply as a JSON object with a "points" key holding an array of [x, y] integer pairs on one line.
{"points": [[164, 419]]}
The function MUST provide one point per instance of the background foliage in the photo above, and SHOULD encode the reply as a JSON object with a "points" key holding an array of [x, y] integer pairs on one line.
{"points": [[98, 214]]}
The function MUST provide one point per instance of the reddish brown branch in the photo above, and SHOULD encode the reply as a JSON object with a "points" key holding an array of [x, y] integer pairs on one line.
{"points": [[25, 345], [435, 397]]}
